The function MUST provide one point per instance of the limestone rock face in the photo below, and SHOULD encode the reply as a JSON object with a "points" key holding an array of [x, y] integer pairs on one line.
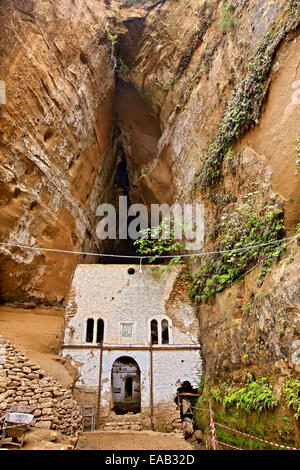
{"points": [[54, 141]]}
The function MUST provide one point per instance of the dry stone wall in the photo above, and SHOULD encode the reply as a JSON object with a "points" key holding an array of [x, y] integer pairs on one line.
{"points": [[23, 383]]}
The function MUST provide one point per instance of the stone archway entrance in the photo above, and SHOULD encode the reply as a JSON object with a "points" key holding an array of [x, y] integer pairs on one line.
{"points": [[126, 386]]}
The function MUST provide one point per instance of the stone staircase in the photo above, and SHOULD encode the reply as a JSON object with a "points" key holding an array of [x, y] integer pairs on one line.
{"points": [[128, 422]]}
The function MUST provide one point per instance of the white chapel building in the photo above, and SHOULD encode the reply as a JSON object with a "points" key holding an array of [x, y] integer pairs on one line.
{"points": [[135, 337]]}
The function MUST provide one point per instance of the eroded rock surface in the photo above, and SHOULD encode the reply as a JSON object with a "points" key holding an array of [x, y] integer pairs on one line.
{"points": [[55, 131], [179, 65], [23, 383]]}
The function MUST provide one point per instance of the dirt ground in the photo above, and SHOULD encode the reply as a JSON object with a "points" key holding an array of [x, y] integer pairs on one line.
{"points": [[133, 440], [42, 439], [38, 333]]}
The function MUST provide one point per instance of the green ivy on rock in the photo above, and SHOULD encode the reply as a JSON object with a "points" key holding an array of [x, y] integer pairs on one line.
{"points": [[245, 226], [256, 395]]}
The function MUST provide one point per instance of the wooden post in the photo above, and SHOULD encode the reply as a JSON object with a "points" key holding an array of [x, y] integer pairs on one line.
{"points": [[100, 386], [151, 387], [212, 427]]}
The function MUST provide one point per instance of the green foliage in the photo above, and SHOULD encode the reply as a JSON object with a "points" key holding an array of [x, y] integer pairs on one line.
{"points": [[228, 19], [162, 428], [172, 83], [118, 61], [292, 395], [244, 107], [287, 424], [160, 241], [254, 396], [122, 67], [267, 424], [113, 38], [229, 159], [245, 226]]}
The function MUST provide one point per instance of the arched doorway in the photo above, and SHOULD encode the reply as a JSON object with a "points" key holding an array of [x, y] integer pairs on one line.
{"points": [[126, 386]]}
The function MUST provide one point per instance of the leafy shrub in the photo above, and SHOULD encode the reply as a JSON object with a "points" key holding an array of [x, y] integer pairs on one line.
{"points": [[160, 241], [244, 227], [113, 38], [255, 396], [122, 67], [201, 385], [216, 393], [292, 395]]}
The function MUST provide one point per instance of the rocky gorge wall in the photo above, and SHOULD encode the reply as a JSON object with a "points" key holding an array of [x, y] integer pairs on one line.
{"points": [[221, 78]]}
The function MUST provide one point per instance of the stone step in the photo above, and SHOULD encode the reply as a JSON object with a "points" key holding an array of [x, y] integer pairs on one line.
{"points": [[125, 426], [121, 423]]}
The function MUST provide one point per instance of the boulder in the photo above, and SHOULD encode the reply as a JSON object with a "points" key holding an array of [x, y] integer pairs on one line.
{"points": [[43, 425], [198, 436]]}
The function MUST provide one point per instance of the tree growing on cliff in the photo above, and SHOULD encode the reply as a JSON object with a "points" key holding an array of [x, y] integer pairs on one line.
{"points": [[159, 242]]}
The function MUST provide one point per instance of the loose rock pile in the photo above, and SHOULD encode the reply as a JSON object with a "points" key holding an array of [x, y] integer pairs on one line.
{"points": [[23, 383]]}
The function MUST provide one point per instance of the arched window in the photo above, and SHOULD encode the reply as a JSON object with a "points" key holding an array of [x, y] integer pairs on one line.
{"points": [[165, 332], [154, 331], [90, 331], [100, 330]]}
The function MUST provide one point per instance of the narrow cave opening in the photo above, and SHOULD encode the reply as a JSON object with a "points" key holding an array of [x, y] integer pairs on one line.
{"points": [[141, 172], [121, 180], [122, 187]]}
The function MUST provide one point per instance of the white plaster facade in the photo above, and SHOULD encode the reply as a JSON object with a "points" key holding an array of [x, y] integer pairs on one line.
{"points": [[127, 303]]}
